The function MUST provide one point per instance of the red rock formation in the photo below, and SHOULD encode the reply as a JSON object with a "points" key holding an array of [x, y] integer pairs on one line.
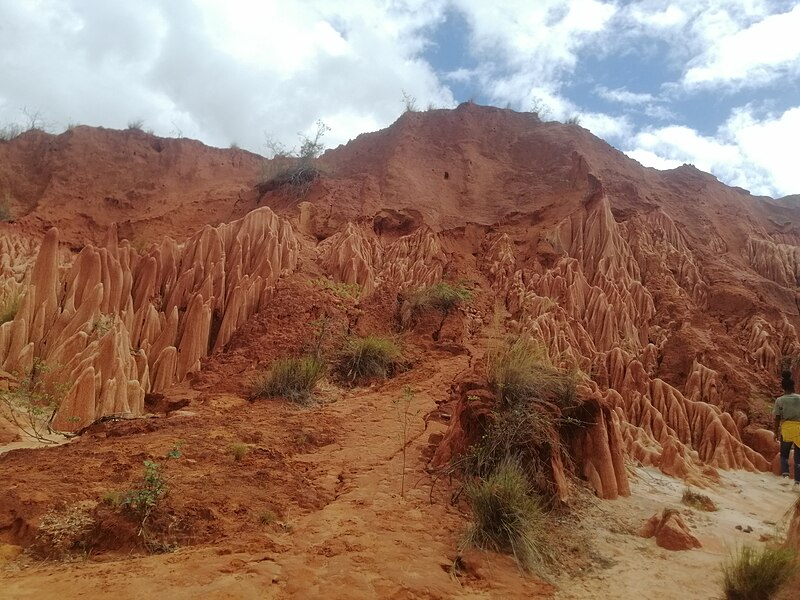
{"points": [[119, 324], [679, 315], [597, 446], [670, 531]]}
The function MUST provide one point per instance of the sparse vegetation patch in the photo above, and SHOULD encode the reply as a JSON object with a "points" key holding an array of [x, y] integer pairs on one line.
{"points": [[506, 515], [521, 371], [290, 378], [757, 573], [698, 501], [267, 517], [238, 451], [5, 208], [340, 289], [365, 358]]}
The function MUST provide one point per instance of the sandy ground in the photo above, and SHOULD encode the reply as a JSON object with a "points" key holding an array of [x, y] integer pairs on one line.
{"points": [[628, 566]]}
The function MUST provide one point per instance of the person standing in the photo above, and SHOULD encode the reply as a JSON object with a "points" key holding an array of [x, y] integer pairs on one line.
{"points": [[787, 426]]}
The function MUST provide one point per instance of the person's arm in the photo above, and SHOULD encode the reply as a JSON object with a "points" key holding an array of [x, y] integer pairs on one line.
{"points": [[777, 428]]}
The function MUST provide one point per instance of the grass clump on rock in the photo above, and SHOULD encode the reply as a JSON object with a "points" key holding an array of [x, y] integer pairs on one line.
{"points": [[507, 516], [757, 573], [290, 378], [442, 297], [520, 371], [371, 357]]}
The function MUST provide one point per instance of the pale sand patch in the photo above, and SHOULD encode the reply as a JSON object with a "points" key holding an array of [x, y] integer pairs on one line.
{"points": [[629, 566]]}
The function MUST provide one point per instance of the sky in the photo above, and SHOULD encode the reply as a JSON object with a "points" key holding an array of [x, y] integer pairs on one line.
{"points": [[713, 83]]}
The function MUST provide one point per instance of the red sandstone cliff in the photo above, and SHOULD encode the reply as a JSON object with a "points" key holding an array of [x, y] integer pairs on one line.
{"points": [[676, 295]]}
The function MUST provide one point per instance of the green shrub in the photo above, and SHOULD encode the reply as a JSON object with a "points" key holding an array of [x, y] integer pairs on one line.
{"points": [[521, 371], [144, 500], [238, 451], [698, 501], [370, 357], [444, 297], [757, 573], [506, 515], [290, 378], [136, 125]]}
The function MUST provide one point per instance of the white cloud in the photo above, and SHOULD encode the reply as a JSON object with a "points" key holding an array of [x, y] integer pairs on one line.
{"points": [[671, 16], [524, 45], [651, 159], [218, 70], [751, 56], [770, 145], [623, 96], [606, 126], [756, 154]]}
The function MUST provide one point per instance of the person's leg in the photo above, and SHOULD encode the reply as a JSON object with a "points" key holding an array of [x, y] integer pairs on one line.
{"points": [[786, 447], [796, 465]]}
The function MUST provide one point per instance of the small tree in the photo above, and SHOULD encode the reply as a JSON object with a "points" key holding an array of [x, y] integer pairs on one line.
{"points": [[410, 102], [32, 405], [144, 500], [296, 171]]}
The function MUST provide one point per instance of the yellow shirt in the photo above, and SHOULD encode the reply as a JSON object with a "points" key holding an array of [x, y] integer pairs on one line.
{"points": [[790, 432]]}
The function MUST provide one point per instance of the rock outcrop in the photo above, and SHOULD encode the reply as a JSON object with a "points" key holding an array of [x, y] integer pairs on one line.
{"points": [[670, 531], [119, 324]]}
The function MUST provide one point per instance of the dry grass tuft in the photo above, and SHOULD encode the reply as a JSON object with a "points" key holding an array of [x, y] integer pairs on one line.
{"points": [[757, 573], [698, 501], [372, 357], [521, 371], [63, 533], [290, 378], [238, 451], [507, 515]]}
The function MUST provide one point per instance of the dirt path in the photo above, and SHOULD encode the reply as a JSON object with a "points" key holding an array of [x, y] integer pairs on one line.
{"points": [[367, 542]]}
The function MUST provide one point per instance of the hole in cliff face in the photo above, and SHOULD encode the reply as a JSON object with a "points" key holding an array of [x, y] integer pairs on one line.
{"points": [[446, 175], [392, 223]]}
